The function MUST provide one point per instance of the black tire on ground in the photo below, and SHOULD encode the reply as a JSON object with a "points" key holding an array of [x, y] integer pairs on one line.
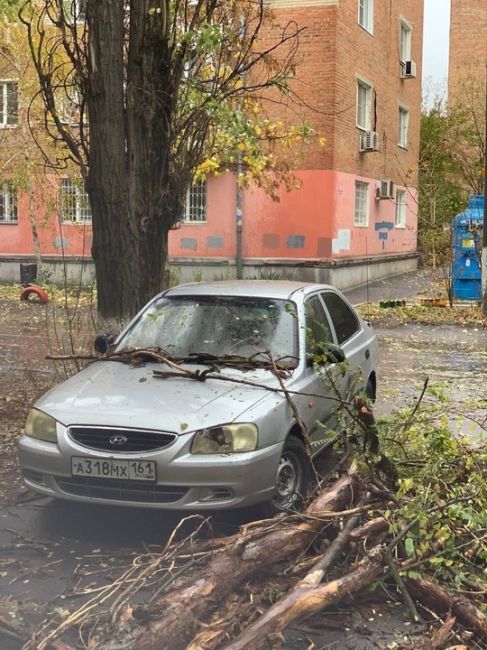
{"points": [[293, 479]]}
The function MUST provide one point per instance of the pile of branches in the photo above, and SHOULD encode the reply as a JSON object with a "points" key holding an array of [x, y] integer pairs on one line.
{"points": [[360, 528]]}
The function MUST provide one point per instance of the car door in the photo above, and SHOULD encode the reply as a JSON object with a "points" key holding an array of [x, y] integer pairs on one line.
{"points": [[316, 410], [350, 337]]}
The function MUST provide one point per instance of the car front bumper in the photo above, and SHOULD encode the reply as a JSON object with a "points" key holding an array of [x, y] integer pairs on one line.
{"points": [[184, 481]]}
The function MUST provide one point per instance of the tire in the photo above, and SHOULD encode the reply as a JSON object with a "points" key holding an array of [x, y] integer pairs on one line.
{"points": [[293, 479], [370, 390]]}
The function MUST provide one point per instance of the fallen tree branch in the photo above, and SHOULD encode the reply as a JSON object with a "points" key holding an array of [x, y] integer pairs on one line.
{"points": [[307, 598], [443, 602], [182, 609]]}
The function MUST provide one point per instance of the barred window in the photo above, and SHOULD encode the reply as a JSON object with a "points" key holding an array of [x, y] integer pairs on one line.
{"points": [[195, 206], [9, 107], [8, 203], [75, 204], [361, 217]]}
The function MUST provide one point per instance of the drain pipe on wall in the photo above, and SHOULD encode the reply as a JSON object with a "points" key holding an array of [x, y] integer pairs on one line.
{"points": [[239, 188], [239, 215]]}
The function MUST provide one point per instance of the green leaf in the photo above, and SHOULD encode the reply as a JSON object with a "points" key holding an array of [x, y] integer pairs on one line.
{"points": [[409, 544]]}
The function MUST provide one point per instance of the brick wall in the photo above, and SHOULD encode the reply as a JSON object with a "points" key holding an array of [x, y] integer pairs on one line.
{"points": [[468, 44], [334, 51]]}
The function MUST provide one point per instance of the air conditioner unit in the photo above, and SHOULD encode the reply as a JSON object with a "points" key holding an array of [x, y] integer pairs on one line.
{"points": [[369, 141], [408, 69], [386, 189]]}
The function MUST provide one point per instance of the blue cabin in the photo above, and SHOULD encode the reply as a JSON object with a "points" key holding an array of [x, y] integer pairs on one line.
{"points": [[467, 251]]}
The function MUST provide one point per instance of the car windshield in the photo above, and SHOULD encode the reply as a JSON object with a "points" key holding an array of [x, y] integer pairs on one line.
{"points": [[217, 326]]}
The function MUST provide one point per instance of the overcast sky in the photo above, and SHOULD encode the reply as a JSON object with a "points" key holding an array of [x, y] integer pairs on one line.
{"points": [[436, 39]]}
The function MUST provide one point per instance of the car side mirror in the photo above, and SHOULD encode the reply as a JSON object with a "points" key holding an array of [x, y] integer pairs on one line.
{"points": [[324, 354], [103, 342]]}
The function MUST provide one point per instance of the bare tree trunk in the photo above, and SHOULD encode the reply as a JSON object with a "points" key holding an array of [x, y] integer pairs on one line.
{"points": [[115, 236]]}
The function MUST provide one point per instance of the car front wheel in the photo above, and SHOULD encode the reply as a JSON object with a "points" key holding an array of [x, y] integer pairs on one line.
{"points": [[292, 480]]}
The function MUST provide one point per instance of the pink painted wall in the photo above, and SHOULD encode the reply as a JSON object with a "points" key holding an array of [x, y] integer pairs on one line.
{"points": [[217, 236], [380, 236], [314, 222], [16, 239]]}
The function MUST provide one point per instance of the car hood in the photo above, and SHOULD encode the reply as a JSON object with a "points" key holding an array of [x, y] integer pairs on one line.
{"points": [[110, 393]]}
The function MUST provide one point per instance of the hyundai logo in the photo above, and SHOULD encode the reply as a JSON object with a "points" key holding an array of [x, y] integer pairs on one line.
{"points": [[118, 440]]}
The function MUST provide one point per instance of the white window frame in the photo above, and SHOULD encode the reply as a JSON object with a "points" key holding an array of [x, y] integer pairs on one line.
{"points": [[74, 203], [8, 203], [400, 219], [4, 121], [195, 206], [361, 212], [405, 41], [364, 108], [403, 134], [365, 16]]}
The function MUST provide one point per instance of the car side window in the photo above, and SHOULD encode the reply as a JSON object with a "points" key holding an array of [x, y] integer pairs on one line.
{"points": [[344, 320], [318, 328]]}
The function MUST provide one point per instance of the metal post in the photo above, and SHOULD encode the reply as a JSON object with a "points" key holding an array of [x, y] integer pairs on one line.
{"points": [[239, 189], [239, 214]]}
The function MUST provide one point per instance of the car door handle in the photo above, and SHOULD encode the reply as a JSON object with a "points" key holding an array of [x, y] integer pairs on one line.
{"points": [[367, 353]]}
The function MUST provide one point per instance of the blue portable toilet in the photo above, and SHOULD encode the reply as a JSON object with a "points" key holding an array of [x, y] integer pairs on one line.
{"points": [[467, 250]]}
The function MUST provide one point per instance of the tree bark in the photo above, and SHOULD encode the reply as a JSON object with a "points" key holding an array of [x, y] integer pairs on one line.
{"points": [[182, 609], [115, 237], [307, 598]]}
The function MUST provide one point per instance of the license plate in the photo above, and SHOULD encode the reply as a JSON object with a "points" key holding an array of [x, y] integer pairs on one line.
{"points": [[129, 470]]}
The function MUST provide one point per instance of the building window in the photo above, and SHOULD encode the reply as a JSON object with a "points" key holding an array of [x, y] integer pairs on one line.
{"points": [[400, 209], [366, 14], [364, 105], [75, 10], [8, 203], [405, 42], [403, 127], [361, 217], [75, 204], [195, 206], [9, 108]]}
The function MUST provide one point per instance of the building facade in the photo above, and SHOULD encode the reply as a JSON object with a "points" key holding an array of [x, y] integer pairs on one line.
{"points": [[355, 215], [468, 50]]}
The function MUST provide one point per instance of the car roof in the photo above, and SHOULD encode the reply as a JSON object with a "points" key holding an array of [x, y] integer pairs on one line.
{"points": [[279, 289]]}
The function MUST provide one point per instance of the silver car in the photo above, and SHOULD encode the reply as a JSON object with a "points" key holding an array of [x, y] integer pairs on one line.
{"points": [[212, 427]]}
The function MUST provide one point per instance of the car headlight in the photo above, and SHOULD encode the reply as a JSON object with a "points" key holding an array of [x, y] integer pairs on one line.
{"points": [[227, 439], [41, 426]]}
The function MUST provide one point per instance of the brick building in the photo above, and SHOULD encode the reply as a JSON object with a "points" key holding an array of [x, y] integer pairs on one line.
{"points": [[468, 49], [355, 216], [360, 77]]}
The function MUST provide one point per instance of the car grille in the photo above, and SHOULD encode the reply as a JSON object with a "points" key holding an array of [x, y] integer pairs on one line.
{"points": [[117, 490], [123, 440]]}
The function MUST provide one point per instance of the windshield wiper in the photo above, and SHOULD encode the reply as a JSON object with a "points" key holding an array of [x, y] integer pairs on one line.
{"points": [[257, 360], [207, 357]]}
